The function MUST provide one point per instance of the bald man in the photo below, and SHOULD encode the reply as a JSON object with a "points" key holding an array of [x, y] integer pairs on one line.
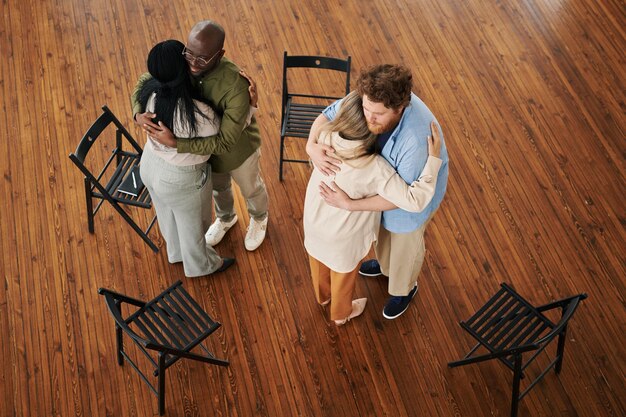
{"points": [[235, 150]]}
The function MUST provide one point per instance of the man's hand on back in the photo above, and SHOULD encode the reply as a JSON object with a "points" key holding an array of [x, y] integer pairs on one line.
{"points": [[321, 156], [159, 132]]}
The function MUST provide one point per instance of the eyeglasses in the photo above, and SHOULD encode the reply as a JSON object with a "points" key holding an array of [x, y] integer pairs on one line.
{"points": [[198, 60]]}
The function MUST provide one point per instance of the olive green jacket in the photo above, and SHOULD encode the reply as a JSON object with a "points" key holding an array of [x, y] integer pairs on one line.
{"points": [[227, 93]]}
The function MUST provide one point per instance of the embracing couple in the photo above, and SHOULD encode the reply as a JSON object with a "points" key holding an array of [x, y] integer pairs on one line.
{"points": [[197, 110], [379, 149]]}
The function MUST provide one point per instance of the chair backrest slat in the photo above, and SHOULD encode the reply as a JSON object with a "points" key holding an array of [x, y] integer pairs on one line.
{"points": [[321, 62], [313, 62]]}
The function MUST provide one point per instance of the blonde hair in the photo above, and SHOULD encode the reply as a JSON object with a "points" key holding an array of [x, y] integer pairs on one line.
{"points": [[350, 123]]}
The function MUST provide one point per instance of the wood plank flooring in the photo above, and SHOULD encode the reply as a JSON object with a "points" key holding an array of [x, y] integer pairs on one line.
{"points": [[530, 96]]}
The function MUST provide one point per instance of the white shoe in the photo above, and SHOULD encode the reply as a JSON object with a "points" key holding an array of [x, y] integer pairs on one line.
{"points": [[218, 229], [358, 306], [256, 234]]}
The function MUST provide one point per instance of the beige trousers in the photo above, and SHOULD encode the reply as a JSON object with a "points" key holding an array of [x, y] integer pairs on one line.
{"points": [[335, 286], [401, 256], [248, 178]]}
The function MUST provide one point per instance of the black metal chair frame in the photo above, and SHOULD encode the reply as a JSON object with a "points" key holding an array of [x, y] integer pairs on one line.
{"points": [[124, 162], [508, 326], [296, 118], [171, 325]]}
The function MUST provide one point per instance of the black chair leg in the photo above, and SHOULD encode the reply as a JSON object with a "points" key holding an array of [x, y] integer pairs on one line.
{"points": [[135, 227], [517, 376], [161, 394], [120, 345], [282, 150], [89, 202], [559, 350]]}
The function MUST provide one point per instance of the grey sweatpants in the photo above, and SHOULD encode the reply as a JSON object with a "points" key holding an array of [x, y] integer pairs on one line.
{"points": [[182, 200]]}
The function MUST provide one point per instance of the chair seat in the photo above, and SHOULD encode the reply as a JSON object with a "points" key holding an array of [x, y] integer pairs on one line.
{"points": [[507, 321], [127, 163], [173, 318], [299, 118]]}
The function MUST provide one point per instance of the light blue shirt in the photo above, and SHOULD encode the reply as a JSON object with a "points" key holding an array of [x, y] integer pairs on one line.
{"points": [[407, 151]]}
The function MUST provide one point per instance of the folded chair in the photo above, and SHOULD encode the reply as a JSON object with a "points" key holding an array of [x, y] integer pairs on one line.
{"points": [[302, 104], [511, 330], [104, 186], [165, 329]]}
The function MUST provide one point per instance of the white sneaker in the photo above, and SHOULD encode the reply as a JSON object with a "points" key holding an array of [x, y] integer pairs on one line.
{"points": [[218, 229], [256, 234]]}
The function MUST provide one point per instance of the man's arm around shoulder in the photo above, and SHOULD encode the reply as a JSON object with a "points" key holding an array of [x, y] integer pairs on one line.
{"points": [[236, 107]]}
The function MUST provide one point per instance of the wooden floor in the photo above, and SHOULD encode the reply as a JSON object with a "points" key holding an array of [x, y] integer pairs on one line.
{"points": [[531, 98]]}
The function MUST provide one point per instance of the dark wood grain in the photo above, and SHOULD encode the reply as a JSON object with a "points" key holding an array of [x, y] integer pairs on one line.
{"points": [[530, 96]]}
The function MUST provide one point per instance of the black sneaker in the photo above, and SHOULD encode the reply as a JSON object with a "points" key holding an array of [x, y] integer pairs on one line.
{"points": [[370, 268], [397, 305]]}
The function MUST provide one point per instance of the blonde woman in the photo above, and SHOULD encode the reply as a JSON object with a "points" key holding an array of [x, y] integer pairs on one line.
{"points": [[336, 239]]}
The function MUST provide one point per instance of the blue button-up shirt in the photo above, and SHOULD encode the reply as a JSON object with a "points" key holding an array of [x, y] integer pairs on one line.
{"points": [[407, 151]]}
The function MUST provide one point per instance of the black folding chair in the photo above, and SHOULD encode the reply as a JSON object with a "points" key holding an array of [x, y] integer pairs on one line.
{"points": [[508, 326], [104, 186], [302, 105], [168, 327]]}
